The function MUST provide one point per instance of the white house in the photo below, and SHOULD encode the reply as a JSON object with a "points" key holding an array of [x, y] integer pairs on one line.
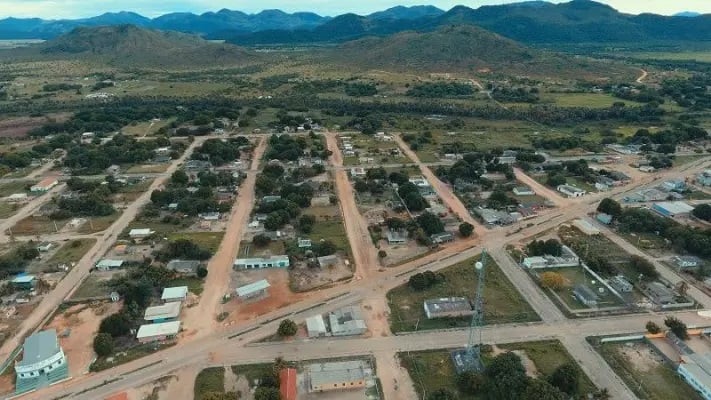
{"points": [[178, 293], [158, 332], [140, 233], [571, 191], [44, 185]]}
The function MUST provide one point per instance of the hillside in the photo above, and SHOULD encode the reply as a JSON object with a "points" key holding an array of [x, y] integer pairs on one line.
{"points": [[465, 48], [131, 46]]}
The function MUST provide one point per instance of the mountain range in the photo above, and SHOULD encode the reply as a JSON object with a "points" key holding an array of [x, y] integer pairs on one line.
{"points": [[531, 22]]}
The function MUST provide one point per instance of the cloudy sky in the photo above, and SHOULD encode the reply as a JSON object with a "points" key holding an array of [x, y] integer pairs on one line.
{"points": [[54, 9]]}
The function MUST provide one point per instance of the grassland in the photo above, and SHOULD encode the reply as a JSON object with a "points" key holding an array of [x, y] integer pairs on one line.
{"points": [[93, 286], [209, 380], [650, 378], [702, 56], [332, 230], [13, 187], [591, 100], [147, 128], [147, 169], [7, 209], [194, 284], [503, 301], [207, 240], [37, 226], [71, 252]]}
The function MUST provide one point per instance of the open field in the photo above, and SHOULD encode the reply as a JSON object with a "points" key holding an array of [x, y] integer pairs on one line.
{"points": [[207, 240], [147, 169], [13, 187], [592, 100], [646, 372], [98, 224], [71, 251], [209, 380], [576, 276], [8, 209], [332, 230], [502, 302], [146, 128], [37, 226], [195, 285]]}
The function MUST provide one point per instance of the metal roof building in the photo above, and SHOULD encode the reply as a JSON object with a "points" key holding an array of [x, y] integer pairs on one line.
{"points": [[108, 264], [178, 293], [672, 208], [254, 289], [43, 362], [315, 326], [163, 313], [158, 332], [347, 321], [265, 262], [448, 307], [336, 376]]}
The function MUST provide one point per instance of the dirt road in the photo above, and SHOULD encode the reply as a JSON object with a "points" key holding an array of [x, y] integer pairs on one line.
{"points": [[542, 190], [201, 319], [365, 255], [443, 190], [643, 76], [27, 210], [394, 379]]}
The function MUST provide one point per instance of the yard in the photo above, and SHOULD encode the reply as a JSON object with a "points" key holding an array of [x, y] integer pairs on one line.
{"points": [[195, 285], [333, 230], [577, 276], [8, 209], [646, 372], [209, 380], [37, 226], [206, 240], [71, 251], [13, 187], [502, 302]]}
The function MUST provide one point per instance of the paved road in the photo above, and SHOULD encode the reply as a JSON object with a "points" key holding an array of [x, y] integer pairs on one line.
{"points": [[77, 274]]}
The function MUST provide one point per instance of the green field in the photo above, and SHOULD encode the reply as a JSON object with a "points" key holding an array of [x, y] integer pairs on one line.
{"points": [[702, 56], [653, 379], [592, 100], [71, 251], [206, 240], [209, 380], [8, 209], [503, 302], [146, 128], [332, 230], [13, 187]]}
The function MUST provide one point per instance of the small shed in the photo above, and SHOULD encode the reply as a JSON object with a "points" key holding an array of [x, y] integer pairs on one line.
{"points": [[254, 290], [315, 326]]}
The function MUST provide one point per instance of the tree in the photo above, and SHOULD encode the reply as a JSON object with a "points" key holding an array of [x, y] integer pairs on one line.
{"points": [[116, 325], [550, 247], [610, 206], [103, 344], [442, 394], [555, 180], [566, 378], [677, 327], [261, 240], [466, 229], [702, 211], [552, 280], [430, 223], [179, 178], [201, 272], [287, 328], [653, 328], [540, 389], [505, 378], [382, 254], [422, 280], [267, 393], [470, 382], [643, 267]]}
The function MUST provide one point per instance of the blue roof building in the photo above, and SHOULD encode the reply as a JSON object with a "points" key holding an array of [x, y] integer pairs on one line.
{"points": [[43, 362]]}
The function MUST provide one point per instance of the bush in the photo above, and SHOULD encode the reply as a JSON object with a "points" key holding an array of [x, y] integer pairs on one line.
{"points": [[653, 328], [201, 272], [261, 240], [423, 280], [103, 344], [287, 328], [466, 229], [677, 327], [116, 325], [382, 254], [552, 280]]}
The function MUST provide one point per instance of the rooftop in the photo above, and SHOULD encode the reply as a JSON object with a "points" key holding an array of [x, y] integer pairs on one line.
{"points": [[109, 263], [261, 259], [23, 279], [336, 372], [168, 310], [161, 329], [38, 347], [174, 292], [142, 231], [252, 288], [315, 323], [448, 304], [183, 264], [675, 207]]}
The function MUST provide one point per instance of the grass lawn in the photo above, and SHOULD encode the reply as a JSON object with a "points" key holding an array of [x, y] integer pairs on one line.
{"points": [[13, 187], [148, 169], [682, 160], [253, 372], [274, 248], [207, 240], [574, 276], [209, 380], [502, 302], [194, 284], [695, 195], [592, 100], [548, 356], [71, 251], [332, 230], [98, 224], [145, 128], [8, 209], [651, 380], [37, 226], [92, 286]]}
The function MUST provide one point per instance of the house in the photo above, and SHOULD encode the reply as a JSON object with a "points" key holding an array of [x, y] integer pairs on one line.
{"points": [[604, 218], [210, 216], [506, 160], [493, 217], [327, 261], [159, 332], [162, 151], [619, 177], [347, 321], [523, 191], [140, 233], [315, 326], [444, 237], [621, 284], [108, 264], [682, 262], [343, 375], [87, 137], [287, 384], [535, 262], [695, 369], [177, 293], [254, 290], [304, 243], [44, 185], [358, 172], [263, 262], [197, 166], [673, 185], [659, 293], [24, 281], [185, 267], [396, 237], [646, 168], [585, 295], [448, 307], [44, 247], [43, 362], [17, 197], [571, 191], [164, 313], [270, 199], [672, 209]]}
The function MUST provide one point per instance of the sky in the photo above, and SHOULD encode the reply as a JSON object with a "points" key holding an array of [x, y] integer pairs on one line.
{"points": [[59, 9]]}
